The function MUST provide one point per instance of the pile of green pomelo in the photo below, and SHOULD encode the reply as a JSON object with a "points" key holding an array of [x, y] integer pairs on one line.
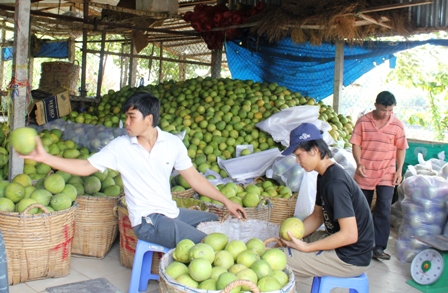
{"points": [[218, 261], [216, 115]]}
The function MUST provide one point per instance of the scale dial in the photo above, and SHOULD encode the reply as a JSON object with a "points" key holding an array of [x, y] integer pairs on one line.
{"points": [[427, 266]]}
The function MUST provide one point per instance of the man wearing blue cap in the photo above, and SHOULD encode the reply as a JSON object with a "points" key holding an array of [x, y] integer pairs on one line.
{"points": [[345, 248]]}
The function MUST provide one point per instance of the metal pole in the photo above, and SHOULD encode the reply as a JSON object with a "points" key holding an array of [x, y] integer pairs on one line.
{"points": [[216, 63], [21, 87]]}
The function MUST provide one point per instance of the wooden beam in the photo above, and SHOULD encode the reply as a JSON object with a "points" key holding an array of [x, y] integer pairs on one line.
{"points": [[395, 6]]}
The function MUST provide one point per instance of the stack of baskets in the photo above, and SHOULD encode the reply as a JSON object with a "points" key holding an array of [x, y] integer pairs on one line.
{"points": [[96, 225], [38, 246]]}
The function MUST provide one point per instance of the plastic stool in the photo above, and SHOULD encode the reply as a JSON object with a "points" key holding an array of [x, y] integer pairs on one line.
{"points": [[141, 269], [324, 284]]}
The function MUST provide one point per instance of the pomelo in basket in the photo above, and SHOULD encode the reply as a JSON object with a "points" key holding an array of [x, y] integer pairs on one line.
{"points": [[186, 280], [257, 245], [6, 205], [54, 183], [208, 284], [276, 258], [26, 202], [23, 139], [200, 269], [216, 240], [216, 272], [247, 274], [60, 201], [262, 268], [293, 225], [281, 277], [268, 283], [235, 247], [182, 251], [225, 279], [224, 259], [247, 257], [42, 196], [15, 192], [202, 250], [237, 268]]}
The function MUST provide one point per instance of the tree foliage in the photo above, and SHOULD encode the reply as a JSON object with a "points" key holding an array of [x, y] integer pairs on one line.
{"points": [[426, 68]]}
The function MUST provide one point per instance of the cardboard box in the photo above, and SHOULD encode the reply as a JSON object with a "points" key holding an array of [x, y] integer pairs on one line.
{"points": [[49, 105]]}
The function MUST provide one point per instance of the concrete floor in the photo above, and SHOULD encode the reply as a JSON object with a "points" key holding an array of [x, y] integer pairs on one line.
{"points": [[384, 276]]}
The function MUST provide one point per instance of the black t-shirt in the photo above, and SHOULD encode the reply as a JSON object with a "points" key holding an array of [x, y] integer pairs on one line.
{"points": [[340, 197]]}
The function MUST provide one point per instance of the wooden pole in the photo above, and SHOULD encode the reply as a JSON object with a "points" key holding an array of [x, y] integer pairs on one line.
{"points": [[182, 68], [101, 66], [3, 39], [122, 67], [83, 90], [161, 62], [21, 87], [338, 75]]}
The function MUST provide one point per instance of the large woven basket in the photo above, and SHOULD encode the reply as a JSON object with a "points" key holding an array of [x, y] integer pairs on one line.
{"points": [[169, 285], [60, 74], [261, 212], [38, 246], [128, 240], [283, 208], [96, 225]]}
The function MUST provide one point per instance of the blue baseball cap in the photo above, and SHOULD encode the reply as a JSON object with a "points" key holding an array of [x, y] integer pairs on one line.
{"points": [[303, 132]]}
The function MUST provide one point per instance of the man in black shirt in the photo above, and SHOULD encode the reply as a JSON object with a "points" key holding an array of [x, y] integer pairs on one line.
{"points": [[345, 248]]}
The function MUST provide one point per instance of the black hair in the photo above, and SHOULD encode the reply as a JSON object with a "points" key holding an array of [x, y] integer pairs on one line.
{"points": [[146, 103], [320, 144], [386, 98]]}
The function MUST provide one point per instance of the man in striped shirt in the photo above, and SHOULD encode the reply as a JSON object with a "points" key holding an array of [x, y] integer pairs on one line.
{"points": [[379, 147]]}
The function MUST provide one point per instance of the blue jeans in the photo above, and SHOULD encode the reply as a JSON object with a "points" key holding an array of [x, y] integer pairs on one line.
{"points": [[159, 229], [381, 213]]}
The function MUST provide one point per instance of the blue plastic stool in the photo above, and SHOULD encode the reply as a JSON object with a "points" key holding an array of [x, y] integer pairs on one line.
{"points": [[324, 284], [141, 269]]}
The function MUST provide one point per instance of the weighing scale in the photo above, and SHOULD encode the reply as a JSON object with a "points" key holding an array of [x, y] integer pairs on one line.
{"points": [[428, 266]]}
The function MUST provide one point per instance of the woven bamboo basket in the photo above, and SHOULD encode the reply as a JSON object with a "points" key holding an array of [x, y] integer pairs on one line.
{"points": [[283, 208], [96, 225], [169, 285], [60, 74], [38, 246], [128, 240], [261, 212], [188, 193]]}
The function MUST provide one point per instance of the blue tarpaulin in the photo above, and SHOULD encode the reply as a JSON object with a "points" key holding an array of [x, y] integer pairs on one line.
{"points": [[306, 68], [48, 49]]}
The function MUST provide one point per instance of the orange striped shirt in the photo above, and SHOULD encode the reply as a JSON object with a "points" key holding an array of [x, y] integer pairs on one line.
{"points": [[378, 149]]}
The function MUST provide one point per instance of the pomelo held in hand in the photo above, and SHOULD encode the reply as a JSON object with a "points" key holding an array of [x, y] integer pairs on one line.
{"points": [[23, 139], [293, 225]]}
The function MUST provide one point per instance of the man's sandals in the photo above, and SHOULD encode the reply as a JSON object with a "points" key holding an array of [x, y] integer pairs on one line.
{"points": [[380, 254]]}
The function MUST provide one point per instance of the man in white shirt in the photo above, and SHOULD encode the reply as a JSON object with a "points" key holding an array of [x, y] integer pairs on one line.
{"points": [[145, 159]]}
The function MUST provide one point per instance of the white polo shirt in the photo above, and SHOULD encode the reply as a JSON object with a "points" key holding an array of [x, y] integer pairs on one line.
{"points": [[145, 174]]}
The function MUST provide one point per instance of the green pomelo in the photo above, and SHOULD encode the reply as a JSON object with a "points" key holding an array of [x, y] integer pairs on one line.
{"points": [[216, 272], [251, 199], [209, 284], [3, 185], [75, 179], [235, 247], [236, 268], [113, 190], [92, 184], [247, 274], [119, 181], [268, 284], [70, 153], [60, 201], [15, 192], [257, 245], [42, 196], [182, 251], [71, 191], [225, 279], [101, 175], [224, 259], [247, 258], [28, 169], [23, 139], [175, 269], [108, 181], [253, 188], [54, 183], [216, 240], [186, 280], [99, 194], [200, 269], [40, 183], [293, 225], [276, 258], [23, 179], [202, 250], [79, 188], [24, 203], [42, 168], [64, 175], [183, 182], [281, 277], [262, 268], [6, 205], [228, 191]]}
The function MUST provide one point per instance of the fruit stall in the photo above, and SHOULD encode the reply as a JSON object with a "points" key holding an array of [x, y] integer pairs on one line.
{"points": [[231, 127]]}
